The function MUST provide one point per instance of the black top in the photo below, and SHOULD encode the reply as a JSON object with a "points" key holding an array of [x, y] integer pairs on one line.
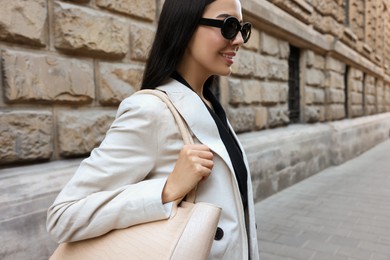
{"points": [[227, 137]]}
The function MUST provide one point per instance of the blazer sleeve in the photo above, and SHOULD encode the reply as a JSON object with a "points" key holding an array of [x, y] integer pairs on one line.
{"points": [[110, 189]]}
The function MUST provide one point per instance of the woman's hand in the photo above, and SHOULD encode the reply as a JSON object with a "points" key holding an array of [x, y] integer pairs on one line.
{"points": [[193, 165]]}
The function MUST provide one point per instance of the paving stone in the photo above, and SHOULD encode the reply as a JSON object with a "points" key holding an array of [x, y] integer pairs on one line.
{"points": [[354, 252], [339, 213], [266, 256], [326, 256]]}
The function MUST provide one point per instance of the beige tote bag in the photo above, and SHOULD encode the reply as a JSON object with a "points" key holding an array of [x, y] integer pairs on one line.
{"points": [[187, 234]]}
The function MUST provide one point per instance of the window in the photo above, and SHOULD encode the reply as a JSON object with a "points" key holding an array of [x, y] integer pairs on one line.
{"points": [[364, 95], [346, 92], [293, 85], [346, 12]]}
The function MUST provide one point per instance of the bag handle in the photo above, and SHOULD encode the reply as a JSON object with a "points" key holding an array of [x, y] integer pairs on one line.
{"points": [[183, 128]]}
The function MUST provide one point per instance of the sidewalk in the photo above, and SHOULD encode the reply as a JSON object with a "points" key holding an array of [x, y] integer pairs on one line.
{"points": [[342, 212]]}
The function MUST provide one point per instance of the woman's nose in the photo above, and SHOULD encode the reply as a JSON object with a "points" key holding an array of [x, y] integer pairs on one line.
{"points": [[238, 40]]}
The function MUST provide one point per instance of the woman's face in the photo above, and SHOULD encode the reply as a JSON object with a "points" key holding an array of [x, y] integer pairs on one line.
{"points": [[208, 51]]}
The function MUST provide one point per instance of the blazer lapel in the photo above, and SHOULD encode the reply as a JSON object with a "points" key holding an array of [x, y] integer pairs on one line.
{"points": [[197, 117], [241, 147]]}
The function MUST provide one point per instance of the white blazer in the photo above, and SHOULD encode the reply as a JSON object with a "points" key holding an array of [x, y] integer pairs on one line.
{"points": [[121, 183]]}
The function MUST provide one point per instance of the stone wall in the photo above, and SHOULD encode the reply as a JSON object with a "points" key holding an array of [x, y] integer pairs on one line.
{"points": [[66, 65]]}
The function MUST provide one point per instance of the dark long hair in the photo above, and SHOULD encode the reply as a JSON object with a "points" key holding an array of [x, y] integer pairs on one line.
{"points": [[178, 22]]}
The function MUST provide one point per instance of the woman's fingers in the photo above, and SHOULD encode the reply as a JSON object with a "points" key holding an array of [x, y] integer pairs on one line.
{"points": [[194, 164]]}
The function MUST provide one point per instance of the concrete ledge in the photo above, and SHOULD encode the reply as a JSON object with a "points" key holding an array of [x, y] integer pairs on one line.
{"points": [[281, 157], [353, 137], [25, 194]]}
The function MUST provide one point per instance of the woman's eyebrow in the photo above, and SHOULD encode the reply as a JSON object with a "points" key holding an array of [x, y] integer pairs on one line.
{"points": [[225, 15]]}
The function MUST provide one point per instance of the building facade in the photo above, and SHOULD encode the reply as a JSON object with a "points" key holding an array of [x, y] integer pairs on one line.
{"points": [[309, 90]]}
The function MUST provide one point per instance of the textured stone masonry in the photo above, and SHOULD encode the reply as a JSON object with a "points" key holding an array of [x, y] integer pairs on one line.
{"points": [[145, 9], [80, 132], [25, 136], [117, 81], [38, 77], [24, 21], [79, 29], [140, 42]]}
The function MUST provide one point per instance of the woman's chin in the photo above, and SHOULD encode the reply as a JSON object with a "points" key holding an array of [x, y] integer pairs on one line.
{"points": [[224, 72]]}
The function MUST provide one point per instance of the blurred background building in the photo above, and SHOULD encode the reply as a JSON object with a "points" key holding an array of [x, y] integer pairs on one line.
{"points": [[311, 89]]}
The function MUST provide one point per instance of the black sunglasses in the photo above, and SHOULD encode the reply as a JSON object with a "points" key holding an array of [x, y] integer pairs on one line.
{"points": [[229, 27]]}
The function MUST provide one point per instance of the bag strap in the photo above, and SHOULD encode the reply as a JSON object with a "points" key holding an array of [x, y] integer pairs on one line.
{"points": [[183, 128]]}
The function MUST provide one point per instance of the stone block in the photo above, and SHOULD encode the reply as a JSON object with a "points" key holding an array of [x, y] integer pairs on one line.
{"points": [[370, 90], [24, 21], [236, 92], [315, 77], [81, 30], [356, 74], [370, 109], [326, 7], [370, 81], [242, 118], [356, 98], [252, 91], [33, 77], [254, 41], [269, 93], [356, 86], [79, 1], [379, 83], [334, 80], [284, 49], [244, 64], [261, 117], [314, 95], [299, 9], [371, 100], [319, 96], [277, 69], [335, 65], [335, 96], [319, 62], [261, 66], [145, 9], [118, 81], [328, 25], [140, 41], [269, 45], [278, 116], [335, 112], [310, 56], [283, 92], [357, 110], [81, 131], [309, 95], [312, 114], [25, 136]]}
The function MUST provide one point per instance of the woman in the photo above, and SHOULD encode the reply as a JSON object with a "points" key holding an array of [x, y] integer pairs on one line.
{"points": [[142, 165]]}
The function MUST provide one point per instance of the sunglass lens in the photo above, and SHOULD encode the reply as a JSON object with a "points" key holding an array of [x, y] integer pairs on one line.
{"points": [[230, 28], [246, 31]]}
